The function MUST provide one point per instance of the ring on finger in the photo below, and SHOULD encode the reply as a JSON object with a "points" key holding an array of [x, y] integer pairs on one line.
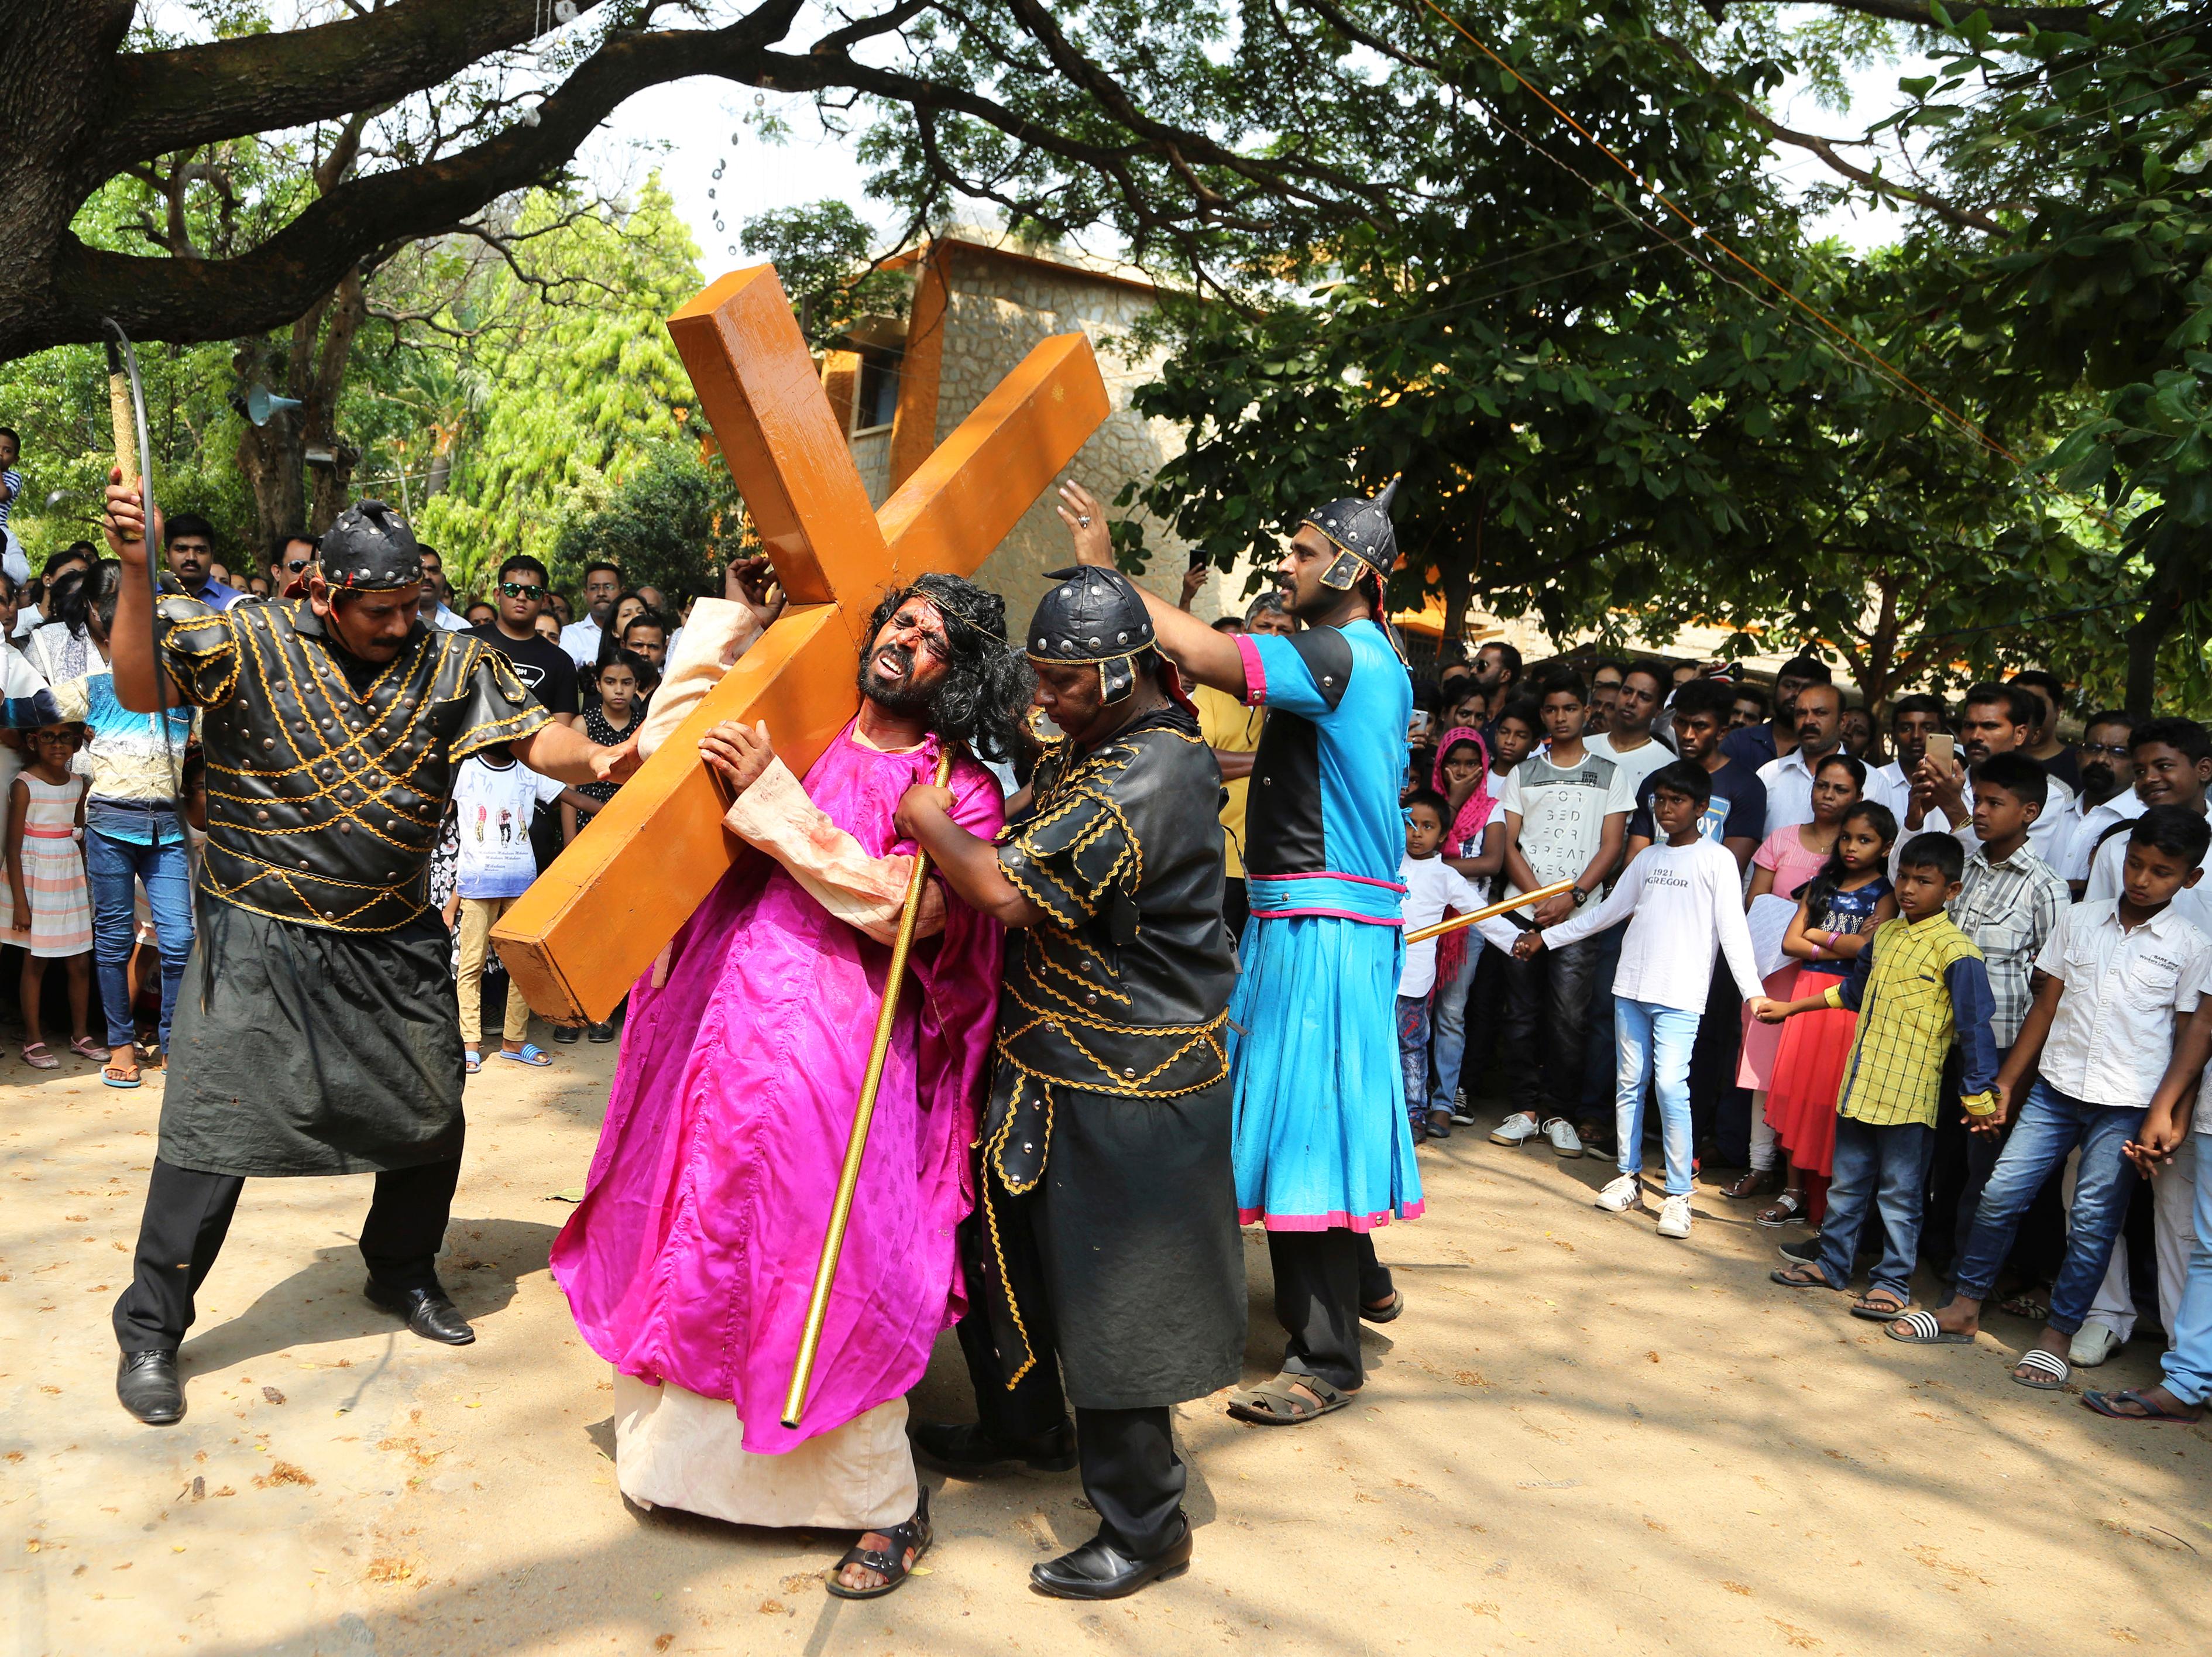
{"points": [[1083, 523]]}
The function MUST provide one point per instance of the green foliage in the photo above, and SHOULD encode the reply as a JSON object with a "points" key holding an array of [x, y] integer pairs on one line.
{"points": [[671, 523], [566, 400]]}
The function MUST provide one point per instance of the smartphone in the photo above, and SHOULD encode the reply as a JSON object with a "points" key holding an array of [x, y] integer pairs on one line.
{"points": [[1422, 722], [1940, 750], [1198, 556]]}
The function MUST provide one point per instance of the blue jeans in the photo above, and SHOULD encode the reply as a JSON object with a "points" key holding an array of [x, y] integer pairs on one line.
{"points": [[2188, 1364], [1448, 1025], [1884, 1170], [109, 866], [2050, 1125], [1413, 1053], [1598, 1034], [1654, 1044]]}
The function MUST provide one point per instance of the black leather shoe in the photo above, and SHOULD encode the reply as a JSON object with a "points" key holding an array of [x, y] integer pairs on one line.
{"points": [[1099, 1570], [567, 1034], [147, 1385], [428, 1313], [602, 1031], [968, 1452]]}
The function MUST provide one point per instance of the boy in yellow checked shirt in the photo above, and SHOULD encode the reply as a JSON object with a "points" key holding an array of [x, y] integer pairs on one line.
{"points": [[1918, 983]]}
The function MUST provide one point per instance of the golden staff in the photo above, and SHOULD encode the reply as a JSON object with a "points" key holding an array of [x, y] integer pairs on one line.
{"points": [[1521, 902], [848, 1176]]}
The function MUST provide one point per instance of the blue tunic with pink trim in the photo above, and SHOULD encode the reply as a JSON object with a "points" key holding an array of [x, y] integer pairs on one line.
{"points": [[1322, 1138]]}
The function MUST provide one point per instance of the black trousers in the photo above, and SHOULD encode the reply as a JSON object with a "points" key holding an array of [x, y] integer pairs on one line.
{"points": [[1132, 1476], [1546, 1008], [1720, 1111], [188, 1215], [1321, 1280], [1236, 905]]}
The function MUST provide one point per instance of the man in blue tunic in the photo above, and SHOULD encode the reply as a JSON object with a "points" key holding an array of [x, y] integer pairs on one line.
{"points": [[1324, 1151]]}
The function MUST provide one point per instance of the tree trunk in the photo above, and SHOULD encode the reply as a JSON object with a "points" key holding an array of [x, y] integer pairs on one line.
{"points": [[290, 497], [2166, 595]]}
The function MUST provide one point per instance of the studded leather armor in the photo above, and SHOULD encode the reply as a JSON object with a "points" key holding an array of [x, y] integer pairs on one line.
{"points": [[326, 792]]}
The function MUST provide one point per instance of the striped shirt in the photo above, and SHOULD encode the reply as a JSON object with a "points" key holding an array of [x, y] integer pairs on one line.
{"points": [[1915, 984], [2007, 909]]}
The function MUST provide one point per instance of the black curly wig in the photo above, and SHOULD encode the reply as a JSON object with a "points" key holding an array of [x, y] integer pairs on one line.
{"points": [[983, 700]]}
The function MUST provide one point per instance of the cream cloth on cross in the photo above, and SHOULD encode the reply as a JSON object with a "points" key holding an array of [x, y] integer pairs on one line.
{"points": [[719, 630], [678, 1449]]}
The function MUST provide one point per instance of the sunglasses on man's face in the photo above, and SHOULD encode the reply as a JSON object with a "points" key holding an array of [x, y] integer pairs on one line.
{"points": [[295, 565], [515, 589]]}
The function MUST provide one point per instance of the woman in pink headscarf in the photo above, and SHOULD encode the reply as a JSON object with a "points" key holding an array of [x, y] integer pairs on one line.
{"points": [[1474, 845]]}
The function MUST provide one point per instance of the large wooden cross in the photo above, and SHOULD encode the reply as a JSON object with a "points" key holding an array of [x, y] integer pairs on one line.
{"points": [[578, 939]]}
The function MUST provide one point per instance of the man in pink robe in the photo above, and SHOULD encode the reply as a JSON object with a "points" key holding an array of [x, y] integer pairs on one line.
{"points": [[689, 1262]]}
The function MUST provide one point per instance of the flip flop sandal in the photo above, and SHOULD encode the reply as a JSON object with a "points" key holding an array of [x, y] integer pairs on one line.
{"points": [[532, 1054], [1920, 1329], [2047, 1371], [2107, 1403], [471, 1061], [1799, 1277], [82, 1046], [114, 1077], [891, 1563], [1274, 1403], [1886, 1310], [2028, 1306], [1383, 1314], [36, 1056], [1757, 1182]]}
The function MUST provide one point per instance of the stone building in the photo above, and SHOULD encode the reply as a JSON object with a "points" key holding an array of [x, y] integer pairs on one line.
{"points": [[979, 303]]}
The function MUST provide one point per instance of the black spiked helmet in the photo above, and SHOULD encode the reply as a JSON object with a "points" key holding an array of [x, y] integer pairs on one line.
{"points": [[369, 549], [1096, 616], [1361, 534]]}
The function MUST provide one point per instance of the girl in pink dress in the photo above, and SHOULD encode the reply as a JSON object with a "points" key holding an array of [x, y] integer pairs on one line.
{"points": [[1784, 865]]}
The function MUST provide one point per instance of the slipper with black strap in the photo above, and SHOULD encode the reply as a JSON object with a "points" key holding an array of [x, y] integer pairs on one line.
{"points": [[2146, 1409], [1920, 1329], [2046, 1370], [1879, 1306], [1388, 1311], [1800, 1278]]}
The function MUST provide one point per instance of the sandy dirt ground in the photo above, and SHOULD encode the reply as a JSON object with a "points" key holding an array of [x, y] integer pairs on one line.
{"points": [[1579, 1437]]}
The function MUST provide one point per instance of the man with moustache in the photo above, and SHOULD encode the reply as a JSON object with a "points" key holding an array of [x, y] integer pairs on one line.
{"points": [[1789, 780], [1757, 744], [2108, 797]]}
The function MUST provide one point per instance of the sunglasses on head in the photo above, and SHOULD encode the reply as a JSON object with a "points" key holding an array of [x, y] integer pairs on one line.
{"points": [[515, 589]]}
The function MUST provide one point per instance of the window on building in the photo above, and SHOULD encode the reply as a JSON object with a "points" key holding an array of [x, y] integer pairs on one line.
{"points": [[879, 383]]}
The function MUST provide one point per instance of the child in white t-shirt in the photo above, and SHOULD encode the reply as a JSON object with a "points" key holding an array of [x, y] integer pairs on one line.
{"points": [[1682, 899], [494, 798], [1433, 886]]}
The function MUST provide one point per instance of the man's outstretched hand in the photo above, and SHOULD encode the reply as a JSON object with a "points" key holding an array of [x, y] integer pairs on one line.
{"points": [[124, 525], [740, 755], [1085, 514], [618, 764]]}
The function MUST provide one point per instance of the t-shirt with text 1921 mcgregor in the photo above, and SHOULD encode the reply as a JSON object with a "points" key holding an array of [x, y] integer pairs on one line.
{"points": [[1563, 811]]}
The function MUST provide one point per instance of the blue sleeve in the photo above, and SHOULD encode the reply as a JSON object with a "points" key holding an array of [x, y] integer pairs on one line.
{"points": [[1851, 992], [1971, 1008], [1304, 674]]}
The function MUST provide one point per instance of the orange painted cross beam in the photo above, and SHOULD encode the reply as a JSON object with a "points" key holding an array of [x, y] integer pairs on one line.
{"points": [[578, 939]]}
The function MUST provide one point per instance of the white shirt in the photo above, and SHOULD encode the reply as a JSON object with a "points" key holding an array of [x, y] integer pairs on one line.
{"points": [[446, 622], [2081, 823], [495, 804], [1638, 763], [1686, 902], [1789, 789], [581, 639], [28, 617], [2107, 877], [1432, 886], [2113, 1032], [1888, 785]]}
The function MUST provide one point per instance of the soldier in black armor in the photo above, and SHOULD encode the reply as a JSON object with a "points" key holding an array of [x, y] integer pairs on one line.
{"points": [[1103, 1251], [316, 1030]]}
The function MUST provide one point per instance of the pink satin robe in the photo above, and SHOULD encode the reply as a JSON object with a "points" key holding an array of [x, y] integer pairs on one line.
{"points": [[690, 1258]]}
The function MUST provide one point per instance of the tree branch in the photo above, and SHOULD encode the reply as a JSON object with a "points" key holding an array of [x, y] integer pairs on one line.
{"points": [[2005, 19]]}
